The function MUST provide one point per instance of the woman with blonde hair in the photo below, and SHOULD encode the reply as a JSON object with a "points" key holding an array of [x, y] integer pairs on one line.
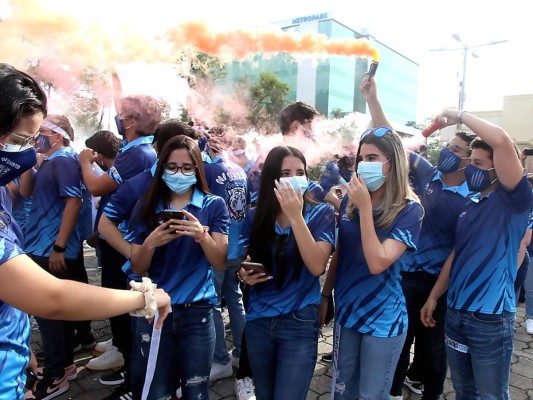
{"points": [[379, 220]]}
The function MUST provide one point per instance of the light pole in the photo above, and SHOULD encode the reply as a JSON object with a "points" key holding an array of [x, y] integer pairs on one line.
{"points": [[466, 48]]}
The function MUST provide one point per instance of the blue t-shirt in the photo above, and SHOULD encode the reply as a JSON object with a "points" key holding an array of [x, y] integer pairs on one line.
{"points": [[373, 304], [269, 300], [488, 236], [59, 177], [135, 157], [442, 205], [253, 170], [228, 180], [181, 267], [330, 176], [21, 209], [14, 324]]}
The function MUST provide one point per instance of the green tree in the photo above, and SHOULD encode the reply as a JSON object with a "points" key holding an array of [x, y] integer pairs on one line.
{"points": [[267, 99], [337, 113], [201, 68]]}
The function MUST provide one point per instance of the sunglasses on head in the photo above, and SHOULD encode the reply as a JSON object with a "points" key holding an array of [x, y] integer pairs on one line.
{"points": [[377, 132]]}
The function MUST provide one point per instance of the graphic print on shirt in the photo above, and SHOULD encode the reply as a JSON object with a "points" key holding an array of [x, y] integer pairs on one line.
{"points": [[235, 194]]}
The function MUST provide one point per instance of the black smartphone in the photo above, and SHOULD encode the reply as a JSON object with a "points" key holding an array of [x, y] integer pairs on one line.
{"points": [[31, 379], [338, 192], [256, 267], [172, 214], [528, 152]]}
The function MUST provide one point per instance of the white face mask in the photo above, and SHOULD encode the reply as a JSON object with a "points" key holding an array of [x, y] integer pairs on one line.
{"points": [[13, 148]]}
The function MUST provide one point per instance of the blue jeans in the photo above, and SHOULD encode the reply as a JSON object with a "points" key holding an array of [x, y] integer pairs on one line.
{"points": [[479, 348], [227, 285], [185, 353], [528, 288], [282, 352], [364, 365]]}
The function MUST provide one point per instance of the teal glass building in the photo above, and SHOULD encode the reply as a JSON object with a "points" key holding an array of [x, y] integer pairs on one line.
{"points": [[332, 84]]}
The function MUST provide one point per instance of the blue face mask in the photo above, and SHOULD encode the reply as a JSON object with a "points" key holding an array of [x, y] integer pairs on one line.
{"points": [[296, 182], [43, 144], [478, 179], [15, 163], [121, 128], [372, 173], [448, 161], [178, 182]]}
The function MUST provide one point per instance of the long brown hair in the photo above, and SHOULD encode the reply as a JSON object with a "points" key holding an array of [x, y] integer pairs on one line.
{"points": [[158, 189], [398, 191]]}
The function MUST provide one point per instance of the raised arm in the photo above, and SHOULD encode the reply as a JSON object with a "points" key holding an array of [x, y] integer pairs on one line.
{"points": [[506, 162], [370, 93]]}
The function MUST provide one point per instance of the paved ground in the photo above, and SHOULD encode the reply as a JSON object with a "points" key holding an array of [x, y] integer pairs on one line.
{"points": [[87, 387]]}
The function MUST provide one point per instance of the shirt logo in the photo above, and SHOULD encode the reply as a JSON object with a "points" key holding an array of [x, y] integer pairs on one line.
{"points": [[429, 189], [462, 214]]}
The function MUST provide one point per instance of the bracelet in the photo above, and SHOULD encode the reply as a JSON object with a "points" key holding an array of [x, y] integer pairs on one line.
{"points": [[460, 116], [204, 235], [148, 289], [58, 249]]}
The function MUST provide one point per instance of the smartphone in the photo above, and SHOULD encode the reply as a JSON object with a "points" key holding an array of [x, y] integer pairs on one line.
{"points": [[528, 152], [256, 267], [172, 214], [338, 192], [31, 379]]}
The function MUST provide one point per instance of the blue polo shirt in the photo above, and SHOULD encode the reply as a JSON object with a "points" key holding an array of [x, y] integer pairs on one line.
{"points": [[229, 181], [488, 236], [59, 177], [14, 324], [269, 300], [181, 267], [442, 205], [133, 158], [373, 304]]}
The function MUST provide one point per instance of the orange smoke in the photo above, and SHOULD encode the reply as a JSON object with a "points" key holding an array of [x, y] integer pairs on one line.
{"points": [[240, 44], [33, 31]]}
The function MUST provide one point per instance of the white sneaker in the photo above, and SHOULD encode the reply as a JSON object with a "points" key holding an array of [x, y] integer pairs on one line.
{"points": [[529, 326], [220, 371], [111, 358], [396, 397], [244, 389], [101, 347], [234, 360]]}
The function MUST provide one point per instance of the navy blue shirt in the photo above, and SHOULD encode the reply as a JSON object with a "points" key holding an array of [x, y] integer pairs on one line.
{"points": [[294, 294], [181, 267], [373, 304], [59, 177], [442, 205], [488, 236], [228, 180], [135, 157], [14, 324]]}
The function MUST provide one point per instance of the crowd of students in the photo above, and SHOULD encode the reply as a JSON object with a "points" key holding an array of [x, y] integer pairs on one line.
{"points": [[416, 253]]}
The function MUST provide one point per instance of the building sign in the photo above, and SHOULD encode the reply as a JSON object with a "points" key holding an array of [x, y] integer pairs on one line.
{"points": [[309, 18]]}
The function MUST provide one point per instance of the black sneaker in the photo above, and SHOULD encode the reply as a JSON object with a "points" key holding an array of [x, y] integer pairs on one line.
{"points": [[48, 388], [121, 393], [328, 357], [83, 342], [114, 377]]}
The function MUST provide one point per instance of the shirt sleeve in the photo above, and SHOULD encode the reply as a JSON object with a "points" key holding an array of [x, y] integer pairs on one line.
{"points": [[121, 203], [321, 223], [244, 239], [419, 170], [219, 221], [69, 179], [406, 227], [137, 230], [126, 166], [520, 198]]}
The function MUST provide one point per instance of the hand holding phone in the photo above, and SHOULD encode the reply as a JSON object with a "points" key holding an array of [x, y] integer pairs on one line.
{"points": [[528, 152], [255, 267], [172, 214]]}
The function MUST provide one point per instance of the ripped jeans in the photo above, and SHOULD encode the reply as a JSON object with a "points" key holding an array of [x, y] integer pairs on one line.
{"points": [[364, 365], [185, 353]]}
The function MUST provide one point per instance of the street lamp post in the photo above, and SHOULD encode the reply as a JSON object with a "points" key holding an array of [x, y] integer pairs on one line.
{"points": [[466, 48]]}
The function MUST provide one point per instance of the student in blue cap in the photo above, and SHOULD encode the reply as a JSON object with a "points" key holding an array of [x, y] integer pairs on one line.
{"points": [[479, 274], [292, 236]]}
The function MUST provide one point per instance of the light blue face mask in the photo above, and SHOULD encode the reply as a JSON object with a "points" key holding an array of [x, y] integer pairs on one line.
{"points": [[372, 173], [296, 182], [178, 182]]}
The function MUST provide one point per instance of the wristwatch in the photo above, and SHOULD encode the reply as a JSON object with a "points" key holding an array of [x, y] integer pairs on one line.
{"points": [[58, 249]]}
